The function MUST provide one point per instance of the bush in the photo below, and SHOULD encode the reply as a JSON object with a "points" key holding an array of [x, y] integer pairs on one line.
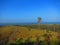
{"points": [[19, 41]]}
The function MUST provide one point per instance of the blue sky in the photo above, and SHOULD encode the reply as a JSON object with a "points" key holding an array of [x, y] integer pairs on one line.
{"points": [[28, 10]]}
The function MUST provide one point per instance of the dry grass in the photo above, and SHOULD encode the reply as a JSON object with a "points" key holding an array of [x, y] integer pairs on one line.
{"points": [[16, 32]]}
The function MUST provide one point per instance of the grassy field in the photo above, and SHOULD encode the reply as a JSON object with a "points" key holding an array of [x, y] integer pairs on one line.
{"points": [[30, 34]]}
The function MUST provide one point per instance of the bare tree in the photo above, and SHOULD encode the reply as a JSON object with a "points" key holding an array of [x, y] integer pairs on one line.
{"points": [[39, 20]]}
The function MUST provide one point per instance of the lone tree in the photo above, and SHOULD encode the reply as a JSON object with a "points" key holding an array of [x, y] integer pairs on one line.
{"points": [[39, 20]]}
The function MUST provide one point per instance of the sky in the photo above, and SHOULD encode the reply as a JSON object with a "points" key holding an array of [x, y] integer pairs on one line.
{"points": [[16, 11]]}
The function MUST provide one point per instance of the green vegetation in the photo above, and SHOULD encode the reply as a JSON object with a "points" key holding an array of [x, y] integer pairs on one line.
{"points": [[30, 35]]}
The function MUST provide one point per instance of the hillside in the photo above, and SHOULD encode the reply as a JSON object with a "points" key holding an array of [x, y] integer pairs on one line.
{"points": [[13, 33]]}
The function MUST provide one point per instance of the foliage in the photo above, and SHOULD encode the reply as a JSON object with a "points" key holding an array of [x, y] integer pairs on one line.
{"points": [[19, 41], [23, 34]]}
